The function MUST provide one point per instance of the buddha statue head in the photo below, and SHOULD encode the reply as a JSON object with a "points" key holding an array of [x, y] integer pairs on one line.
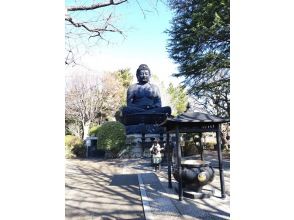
{"points": [[143, 74]]}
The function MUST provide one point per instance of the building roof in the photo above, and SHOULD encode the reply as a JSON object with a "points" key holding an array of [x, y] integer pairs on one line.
{"points": [[198, 117], [192, 119]]}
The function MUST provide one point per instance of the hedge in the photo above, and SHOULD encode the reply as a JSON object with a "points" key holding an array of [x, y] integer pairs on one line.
{"points": [[111, 137]]}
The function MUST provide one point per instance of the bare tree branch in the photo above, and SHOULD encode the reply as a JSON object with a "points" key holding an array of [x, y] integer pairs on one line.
{"points": [[85, 29], [94, 6], [97, 31], [141, 8], [88, 95], [69, 19]]}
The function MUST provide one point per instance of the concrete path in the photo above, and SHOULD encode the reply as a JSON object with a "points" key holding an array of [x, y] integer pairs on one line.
{"points": [[129, 189], [164, 204], [101, 190]]}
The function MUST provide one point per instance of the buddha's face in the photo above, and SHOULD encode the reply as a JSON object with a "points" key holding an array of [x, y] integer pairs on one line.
{"points": [[143, 76]]}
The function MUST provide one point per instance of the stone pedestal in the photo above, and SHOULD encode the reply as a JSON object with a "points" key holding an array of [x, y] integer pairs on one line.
{"points": [[138, 149], [144, 128]]}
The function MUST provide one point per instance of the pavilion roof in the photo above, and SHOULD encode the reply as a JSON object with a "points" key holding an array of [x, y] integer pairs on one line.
{"points": [[190, 118], [198, 117]]}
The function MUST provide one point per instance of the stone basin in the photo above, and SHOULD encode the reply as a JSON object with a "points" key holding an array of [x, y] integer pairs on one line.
{"points": [[194, 163], [195, 173]]}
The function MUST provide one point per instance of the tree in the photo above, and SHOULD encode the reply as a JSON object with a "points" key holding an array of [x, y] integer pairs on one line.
{"points": [[178, 99], [73, 127], [200, 43], [125, 77], [87, 22], [82, 24], [112, 93], [90, 98]]}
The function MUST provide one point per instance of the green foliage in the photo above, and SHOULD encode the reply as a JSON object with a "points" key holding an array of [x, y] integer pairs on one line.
{"points": [[74, 147], [200, 43], [179, 98], [210, 145], [93, 130], [155, 78], [125, 77], [111, 137]]}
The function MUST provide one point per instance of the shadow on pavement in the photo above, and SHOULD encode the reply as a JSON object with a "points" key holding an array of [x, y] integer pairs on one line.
{"points": [[92, 192]]}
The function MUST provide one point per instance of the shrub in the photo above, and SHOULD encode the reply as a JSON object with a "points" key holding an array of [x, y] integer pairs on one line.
{"points": [[74, 147], [210, 145], [93, 130], [111, 137]]}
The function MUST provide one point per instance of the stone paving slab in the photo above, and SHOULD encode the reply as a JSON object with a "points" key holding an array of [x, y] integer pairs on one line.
{"points": [[111, 190], [97, 190], [164, 203], [159, 204], [209, 208]]}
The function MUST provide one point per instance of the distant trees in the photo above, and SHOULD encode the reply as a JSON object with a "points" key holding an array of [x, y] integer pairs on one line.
{"points": [[178, 99], [90, 99], [125, 77], [200, 43]]}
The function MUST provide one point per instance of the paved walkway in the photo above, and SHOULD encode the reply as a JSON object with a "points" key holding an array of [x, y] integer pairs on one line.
{"points": [[112, 189], [101, 190], [164, 203]]}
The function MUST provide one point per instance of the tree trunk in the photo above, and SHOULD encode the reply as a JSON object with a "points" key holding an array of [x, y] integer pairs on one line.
{"points": [[224, 133], [86, 127]]}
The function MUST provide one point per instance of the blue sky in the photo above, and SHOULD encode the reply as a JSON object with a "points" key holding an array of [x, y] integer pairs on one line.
{"points": [[145, 41]]}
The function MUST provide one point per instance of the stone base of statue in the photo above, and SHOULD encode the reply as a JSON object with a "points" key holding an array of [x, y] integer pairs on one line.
{"points": [[144, 128], [139, 147], [144, 123], [144, 118]]}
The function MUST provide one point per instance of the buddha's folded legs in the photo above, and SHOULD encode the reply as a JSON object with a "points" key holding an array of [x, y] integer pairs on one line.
{"points": [[135, 110]]}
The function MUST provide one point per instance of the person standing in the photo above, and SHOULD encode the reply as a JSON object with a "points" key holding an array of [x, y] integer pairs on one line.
{"points": [[156, 155]]}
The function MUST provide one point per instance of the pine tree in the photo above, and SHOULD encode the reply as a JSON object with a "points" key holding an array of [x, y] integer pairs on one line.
{"points": [[178, 99], [200, 43]]}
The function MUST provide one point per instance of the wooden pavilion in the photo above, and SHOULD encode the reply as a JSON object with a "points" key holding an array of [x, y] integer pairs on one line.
{"points": [[193, 122]]}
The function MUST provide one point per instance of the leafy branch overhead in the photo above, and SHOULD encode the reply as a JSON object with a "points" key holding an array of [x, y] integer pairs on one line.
{"points": [[200, 43]]}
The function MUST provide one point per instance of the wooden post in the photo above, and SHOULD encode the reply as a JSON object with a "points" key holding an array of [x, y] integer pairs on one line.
{"points": [[179, 165], [168, 160], [220, 161]]}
